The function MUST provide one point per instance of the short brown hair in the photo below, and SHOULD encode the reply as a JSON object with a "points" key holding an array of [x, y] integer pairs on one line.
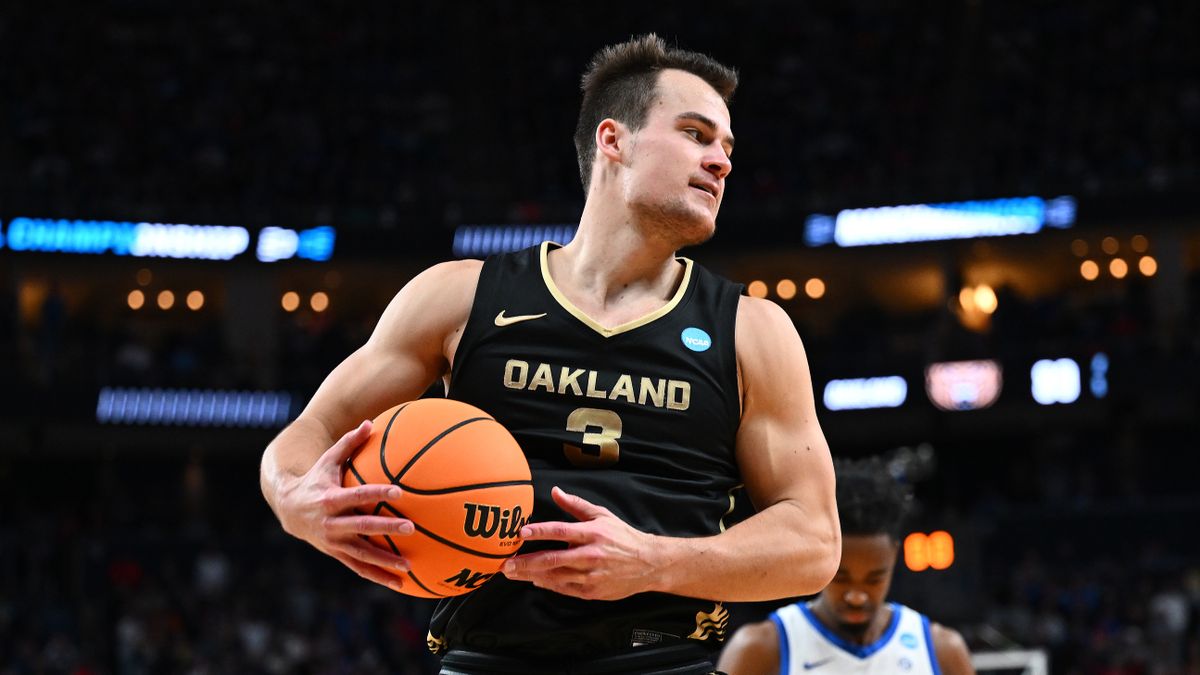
{"points": [[620, 83]]}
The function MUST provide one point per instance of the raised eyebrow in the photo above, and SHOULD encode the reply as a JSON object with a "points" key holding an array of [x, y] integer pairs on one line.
{"points": [[706, 120]]}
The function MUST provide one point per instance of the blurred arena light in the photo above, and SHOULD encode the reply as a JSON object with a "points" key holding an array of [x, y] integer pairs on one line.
{"points": [[1099, 381], [195, 300], [483, 240], [814, 288], [1110, 245], [1055, 381], [1139, 243], [1148, 266], [932, 222], [865, 393], [985, 299], [1079, 247], [1118, 268], [136, 299], [319, 301], [757, 289], [928, 551], [192, 407], [1089, 270], [290, 301], [144, 277], [785, 289], [963, 385], [166, 300]]}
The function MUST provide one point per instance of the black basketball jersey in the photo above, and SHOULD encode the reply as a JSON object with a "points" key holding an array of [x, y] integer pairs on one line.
{"points": [[641, 419]]}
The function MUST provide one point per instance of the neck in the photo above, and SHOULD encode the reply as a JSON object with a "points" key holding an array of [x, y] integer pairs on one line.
{"points": [[612, 255]]}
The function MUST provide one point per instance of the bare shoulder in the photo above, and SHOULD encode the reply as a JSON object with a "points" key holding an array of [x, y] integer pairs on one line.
{"points": [[753, 649], [759, 314], [435, 303], [951, 650]]}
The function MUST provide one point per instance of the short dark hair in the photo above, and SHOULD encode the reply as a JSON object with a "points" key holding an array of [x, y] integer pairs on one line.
{"points": [[870, 501], [620, 82]]}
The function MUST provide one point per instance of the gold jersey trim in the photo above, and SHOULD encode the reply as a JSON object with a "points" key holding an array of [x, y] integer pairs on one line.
{"points": [[625, 327], [436, 645], [732, 504]]}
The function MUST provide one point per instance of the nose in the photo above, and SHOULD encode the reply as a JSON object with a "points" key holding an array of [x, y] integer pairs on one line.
{"points": [[718, 163], [855, 598]]}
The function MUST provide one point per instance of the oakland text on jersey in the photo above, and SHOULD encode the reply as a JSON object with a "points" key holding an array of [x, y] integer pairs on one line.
{"points": [[568, 381]]}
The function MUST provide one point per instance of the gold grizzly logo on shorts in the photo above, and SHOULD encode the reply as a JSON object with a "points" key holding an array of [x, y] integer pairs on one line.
{"points": [[711, 624]]}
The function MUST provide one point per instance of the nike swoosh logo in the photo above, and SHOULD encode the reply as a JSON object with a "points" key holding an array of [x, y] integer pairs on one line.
{"points": [[502, 320], [816, 664]]}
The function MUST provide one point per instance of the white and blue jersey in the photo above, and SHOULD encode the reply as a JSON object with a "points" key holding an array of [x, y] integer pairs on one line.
{"points": [[807, 647]]}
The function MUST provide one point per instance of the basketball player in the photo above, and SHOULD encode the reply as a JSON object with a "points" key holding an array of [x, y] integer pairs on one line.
{"points": [[849, 628], [642, 388]]}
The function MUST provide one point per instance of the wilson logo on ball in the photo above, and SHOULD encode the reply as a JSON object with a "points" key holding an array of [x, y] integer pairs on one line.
{"points": [[487, 520]]}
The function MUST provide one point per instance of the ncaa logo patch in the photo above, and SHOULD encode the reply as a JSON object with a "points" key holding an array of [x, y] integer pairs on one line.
{"points": [[909, 640], [695, 339], [905, 664]]}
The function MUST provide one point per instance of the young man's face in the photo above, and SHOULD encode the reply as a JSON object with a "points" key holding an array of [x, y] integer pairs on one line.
{"points": [[678, 161], [861, 584]]}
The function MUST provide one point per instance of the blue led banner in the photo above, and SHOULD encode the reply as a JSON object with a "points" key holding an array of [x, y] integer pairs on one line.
{"points": [[932, 222], [164, 240]]}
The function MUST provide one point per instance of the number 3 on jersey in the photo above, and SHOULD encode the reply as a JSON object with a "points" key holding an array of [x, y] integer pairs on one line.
{"points": [[583, 420]]}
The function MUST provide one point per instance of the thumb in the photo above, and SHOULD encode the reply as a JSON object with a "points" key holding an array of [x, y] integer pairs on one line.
{"points": [[577, 507], [339, 452]]}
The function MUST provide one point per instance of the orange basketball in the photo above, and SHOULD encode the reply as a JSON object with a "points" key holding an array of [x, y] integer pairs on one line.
{"points": [[466, 487]]}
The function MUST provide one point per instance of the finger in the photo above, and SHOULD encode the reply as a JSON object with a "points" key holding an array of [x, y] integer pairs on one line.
{"points": [[572, 533], [368, 525], [530, 565], [340, 500], [372, 573], [370, 553], [577, 506], [339, 452]]}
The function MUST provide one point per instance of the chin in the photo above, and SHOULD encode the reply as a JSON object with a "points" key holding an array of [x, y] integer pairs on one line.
{"points": [[855, 629], [680, 223]]}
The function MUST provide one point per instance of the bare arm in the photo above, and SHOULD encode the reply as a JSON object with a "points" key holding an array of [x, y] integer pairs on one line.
{"points": [[753, 650], [300, 473], [791, 547], [951, 651]]}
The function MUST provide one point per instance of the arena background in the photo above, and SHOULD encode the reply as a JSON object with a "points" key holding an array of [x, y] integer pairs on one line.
{"points": [[133, 538]]}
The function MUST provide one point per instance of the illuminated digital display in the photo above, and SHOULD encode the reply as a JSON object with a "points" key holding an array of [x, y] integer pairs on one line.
{"points": [[163, 240], [194, 408], [1055, 381], [963, 385], [864, 393], [929, 551], [484, 240], [279, 243], [930, 222]]}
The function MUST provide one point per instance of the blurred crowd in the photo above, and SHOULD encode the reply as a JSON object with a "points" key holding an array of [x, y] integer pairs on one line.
{"points": [[423, 116], [174, 564]]}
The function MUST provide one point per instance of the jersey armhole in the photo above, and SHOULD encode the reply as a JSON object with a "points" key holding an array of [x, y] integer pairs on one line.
{"points": [[479, 304], [933, 661], [785, 665]]}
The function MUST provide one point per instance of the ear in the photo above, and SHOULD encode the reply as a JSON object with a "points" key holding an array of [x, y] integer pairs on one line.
{"points": [[611, 138]]}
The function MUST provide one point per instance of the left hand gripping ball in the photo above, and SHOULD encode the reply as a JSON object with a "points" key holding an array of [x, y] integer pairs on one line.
{"points": [[466, 487]]}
